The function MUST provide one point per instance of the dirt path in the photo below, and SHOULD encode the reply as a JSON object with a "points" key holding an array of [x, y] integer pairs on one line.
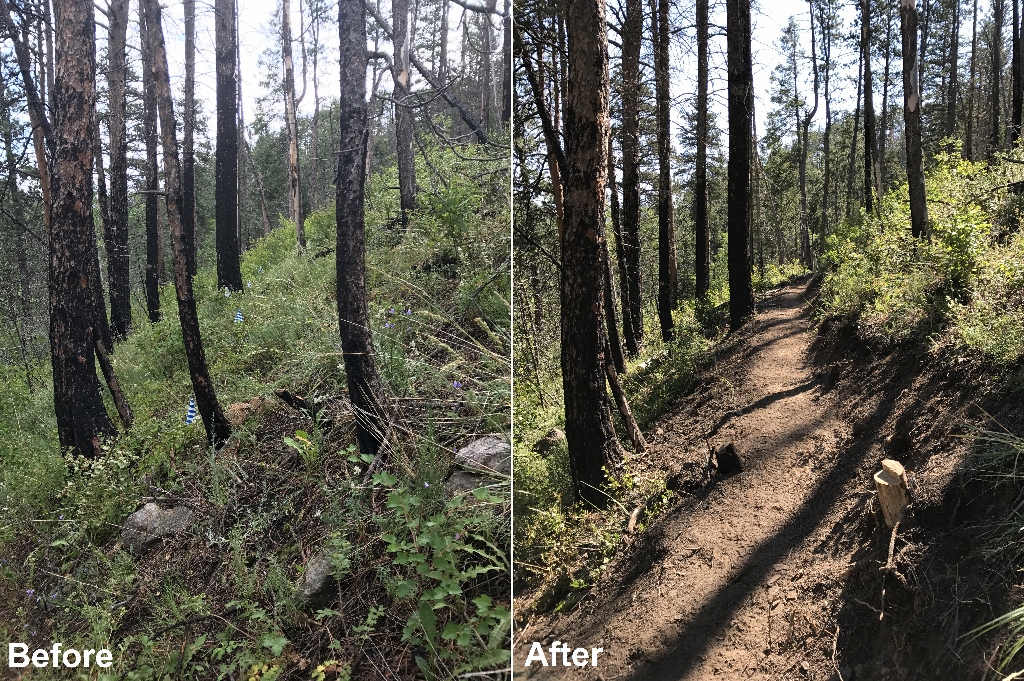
{"points": [[733, 583]]}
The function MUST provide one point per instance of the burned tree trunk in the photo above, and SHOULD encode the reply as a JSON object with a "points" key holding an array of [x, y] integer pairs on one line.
{"points": [[741, 114], [188, 160], [702, 262], [632, 313], [149, 133], [291, 123], [401, 76], [666, 221], [118, 273], [593, 446], [912, 121], [229, 273], [218, 430], [82, 419], [364, 386], [869, 107]]}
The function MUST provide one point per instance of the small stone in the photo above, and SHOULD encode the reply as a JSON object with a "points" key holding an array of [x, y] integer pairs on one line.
{"points": [[317, 581], [791, 595], [551, 440], [805, 666], [479, 462], [149, 523]]}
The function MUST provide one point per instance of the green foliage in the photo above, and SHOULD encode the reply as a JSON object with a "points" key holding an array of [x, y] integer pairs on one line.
{"points": [[963, 285], [439, 556], [440, 311]]}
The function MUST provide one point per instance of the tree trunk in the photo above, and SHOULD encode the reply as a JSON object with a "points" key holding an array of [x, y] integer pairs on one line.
{"points": [[912, 121], [666, 213], [314, 127], [870, 144], [118, 270], [883, 137], [149, 133], [805, 229], [954, 72], [506, 65], [826, 143], [401, 76], [741, 107], [229, 273], [996, 133], [590, 436], [188, 169], [1015, 75], [969, 134], [364, 386], [218, 430], [82, 419], [291, 124], [702, 263], [99, 300], [632, 312], [851, 165], [620, 253]]}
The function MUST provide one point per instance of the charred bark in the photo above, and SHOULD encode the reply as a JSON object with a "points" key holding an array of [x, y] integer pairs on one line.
{"points": [[118, 271], [632, 312], [912, 121], [699, 210], [593, 446], [229, 273], [741, 110], [149, 133], [218, 430], [82, 419], [364, 386], [666, 214]]}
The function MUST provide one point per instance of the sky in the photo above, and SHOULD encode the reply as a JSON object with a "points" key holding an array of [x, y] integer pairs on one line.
{"points": [[255, 37]]}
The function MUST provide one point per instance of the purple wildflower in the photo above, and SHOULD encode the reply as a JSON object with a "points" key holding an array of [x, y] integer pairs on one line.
{"points": [[30, 591], [457, 385]]}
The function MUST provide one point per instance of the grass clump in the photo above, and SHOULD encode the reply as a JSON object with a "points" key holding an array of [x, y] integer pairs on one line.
{"points": [[962, 287]]}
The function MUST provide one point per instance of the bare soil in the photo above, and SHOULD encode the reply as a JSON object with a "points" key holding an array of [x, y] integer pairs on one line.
{"points": [[779, 572]]}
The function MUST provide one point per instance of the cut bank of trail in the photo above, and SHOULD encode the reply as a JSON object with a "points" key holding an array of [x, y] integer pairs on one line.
{"points": [[775, 572]]}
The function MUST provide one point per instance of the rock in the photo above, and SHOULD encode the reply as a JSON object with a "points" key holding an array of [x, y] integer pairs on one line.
{"points": [[550, 441], [479, 462], [240, 412], [490, 454], [149, 523], [729, 461], [317, 584]]}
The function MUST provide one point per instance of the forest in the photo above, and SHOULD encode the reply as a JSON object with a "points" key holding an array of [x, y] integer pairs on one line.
{"points": [[769, 338], [256, 341]]}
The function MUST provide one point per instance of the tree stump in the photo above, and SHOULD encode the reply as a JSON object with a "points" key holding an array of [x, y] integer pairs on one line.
{"points": [[729, 461], [893, 492]]}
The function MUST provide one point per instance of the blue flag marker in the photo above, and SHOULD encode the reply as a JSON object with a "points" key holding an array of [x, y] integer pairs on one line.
{"points": [[190, 415], [238, 316]]}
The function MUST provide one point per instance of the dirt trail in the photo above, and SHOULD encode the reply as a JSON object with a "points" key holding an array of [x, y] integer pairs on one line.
{"points": [[734, 583]]}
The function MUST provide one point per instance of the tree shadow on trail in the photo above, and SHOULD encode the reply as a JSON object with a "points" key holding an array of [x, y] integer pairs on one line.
{"points": [[696, 636]]}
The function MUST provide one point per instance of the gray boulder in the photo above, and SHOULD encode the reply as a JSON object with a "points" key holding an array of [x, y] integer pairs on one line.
{"points": [[551, 440], [480, 462], [144, 527], [317, 583]]}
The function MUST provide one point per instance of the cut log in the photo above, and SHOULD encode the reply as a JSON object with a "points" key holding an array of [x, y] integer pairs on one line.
{"points": [[893, 491]]}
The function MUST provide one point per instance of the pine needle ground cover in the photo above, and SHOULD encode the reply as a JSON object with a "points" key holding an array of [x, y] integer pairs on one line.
{"points": [[419, 575]]}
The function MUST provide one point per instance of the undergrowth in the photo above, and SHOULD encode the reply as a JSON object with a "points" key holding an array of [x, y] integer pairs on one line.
{"points": [[421, 573], [955, 297]]}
